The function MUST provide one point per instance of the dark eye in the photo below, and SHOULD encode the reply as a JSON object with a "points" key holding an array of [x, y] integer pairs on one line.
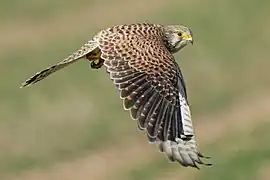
{"points": [[179, 34]]}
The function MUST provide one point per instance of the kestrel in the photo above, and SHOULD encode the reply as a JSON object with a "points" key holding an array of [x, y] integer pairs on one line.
{"points": [[139, 60]]}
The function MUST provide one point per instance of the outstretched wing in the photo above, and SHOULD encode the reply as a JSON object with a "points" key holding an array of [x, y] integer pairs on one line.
{"points": [[152, 87], [80, 53]]}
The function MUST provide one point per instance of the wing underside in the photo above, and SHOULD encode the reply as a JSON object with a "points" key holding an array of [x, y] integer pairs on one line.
{"points": [[152, 89]]}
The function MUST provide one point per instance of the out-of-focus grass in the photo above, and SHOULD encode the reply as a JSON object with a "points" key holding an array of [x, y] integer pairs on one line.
{"points": [[149, 171], [243, 165], [36, 11], [235, 156], [250, 152]]}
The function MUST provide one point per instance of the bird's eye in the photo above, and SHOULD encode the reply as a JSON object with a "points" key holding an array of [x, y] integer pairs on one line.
{"points": [[179, 34]]}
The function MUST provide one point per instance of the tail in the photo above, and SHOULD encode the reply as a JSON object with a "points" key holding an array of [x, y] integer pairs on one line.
{"points": [[80, 53]]}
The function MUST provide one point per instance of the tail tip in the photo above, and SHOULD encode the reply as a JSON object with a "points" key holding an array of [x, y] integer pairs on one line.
{"points": [[24, 84]]}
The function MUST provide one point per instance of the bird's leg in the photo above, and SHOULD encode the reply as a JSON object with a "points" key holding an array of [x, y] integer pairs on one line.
{"points": [[95, 59], [96, 64]]}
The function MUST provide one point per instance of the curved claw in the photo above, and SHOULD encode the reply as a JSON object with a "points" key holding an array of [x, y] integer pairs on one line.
{"points": [[97, 64]]}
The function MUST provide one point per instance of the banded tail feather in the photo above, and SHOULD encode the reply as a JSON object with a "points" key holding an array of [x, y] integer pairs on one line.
{"points": [[80, 53]]}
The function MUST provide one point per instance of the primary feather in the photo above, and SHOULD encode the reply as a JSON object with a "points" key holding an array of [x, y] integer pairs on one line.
{"points": [[139, 60]]}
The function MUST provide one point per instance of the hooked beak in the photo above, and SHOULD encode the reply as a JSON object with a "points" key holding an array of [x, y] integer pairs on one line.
{"points": [[189, 38], [191, 41]]}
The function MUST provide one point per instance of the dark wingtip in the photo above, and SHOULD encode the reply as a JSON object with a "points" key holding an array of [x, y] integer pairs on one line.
{"points": [[30, 81], [196, 166], [24, 84], [203, 156]]}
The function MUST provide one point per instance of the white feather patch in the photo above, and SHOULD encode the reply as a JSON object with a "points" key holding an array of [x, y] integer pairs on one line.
{"points": [[186, 117]]}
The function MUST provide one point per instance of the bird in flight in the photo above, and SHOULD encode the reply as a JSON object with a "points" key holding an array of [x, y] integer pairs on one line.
{"points": [[139, 60]]}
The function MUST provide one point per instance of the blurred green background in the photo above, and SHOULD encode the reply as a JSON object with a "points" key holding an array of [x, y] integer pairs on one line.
{"points": [[72, 125]]}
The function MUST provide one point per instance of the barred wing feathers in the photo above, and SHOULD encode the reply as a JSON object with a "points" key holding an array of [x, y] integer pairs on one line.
{"points": [[152, 88]]}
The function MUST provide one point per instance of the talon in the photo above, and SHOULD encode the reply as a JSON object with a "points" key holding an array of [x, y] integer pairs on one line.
{"points": [[96, 64]]}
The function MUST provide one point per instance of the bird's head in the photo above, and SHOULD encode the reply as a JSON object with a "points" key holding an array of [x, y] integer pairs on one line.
{"points": [[176, 37]]}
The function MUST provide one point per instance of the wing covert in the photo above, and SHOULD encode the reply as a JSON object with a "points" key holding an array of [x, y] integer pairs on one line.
{"points": [[151, 86]]}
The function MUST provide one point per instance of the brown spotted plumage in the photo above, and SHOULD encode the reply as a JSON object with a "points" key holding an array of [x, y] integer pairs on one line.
{"points": [[139, 60]]}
